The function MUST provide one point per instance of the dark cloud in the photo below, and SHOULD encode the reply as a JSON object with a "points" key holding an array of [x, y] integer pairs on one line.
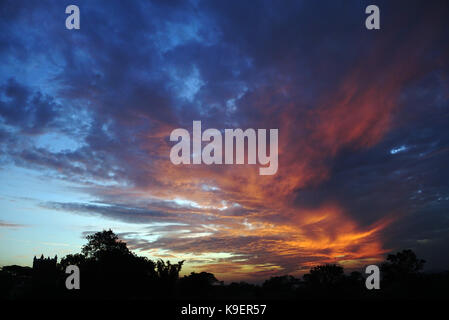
{"points": [[32, 113], [123, 213]]}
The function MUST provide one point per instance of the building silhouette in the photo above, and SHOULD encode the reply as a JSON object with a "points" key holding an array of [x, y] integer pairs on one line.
{"points": [[45, 274], [43, 264]]}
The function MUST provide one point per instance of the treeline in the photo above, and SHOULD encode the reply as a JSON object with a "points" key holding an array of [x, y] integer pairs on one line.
{"points": [[109, 270]]}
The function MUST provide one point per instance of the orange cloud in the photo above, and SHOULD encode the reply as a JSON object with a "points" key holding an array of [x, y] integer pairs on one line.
{"points": [[254, 217]]}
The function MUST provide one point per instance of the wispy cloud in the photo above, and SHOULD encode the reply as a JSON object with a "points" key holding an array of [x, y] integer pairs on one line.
{"points": [[4, 224]]}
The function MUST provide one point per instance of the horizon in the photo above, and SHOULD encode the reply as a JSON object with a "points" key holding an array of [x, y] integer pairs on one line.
{"points": [[347, 272]]}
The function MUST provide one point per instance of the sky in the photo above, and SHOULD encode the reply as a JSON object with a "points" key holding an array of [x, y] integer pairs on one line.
{"points": [[86, 117]]}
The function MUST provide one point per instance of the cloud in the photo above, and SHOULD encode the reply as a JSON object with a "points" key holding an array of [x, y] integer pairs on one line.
{"points": [[4, 224]]}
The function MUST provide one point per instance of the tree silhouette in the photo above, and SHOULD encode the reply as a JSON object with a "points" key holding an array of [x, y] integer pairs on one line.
{"points": [[326, 276], [109, 270], [168, 271], [198, 284], [76, 259], [401, 266], [280, 286], [105, 242], [202, 279]]}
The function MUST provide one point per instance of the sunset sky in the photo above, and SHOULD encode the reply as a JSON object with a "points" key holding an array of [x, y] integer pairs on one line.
{"points": [[86, 117]]}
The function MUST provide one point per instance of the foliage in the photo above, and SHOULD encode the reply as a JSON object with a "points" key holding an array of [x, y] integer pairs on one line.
{"points": [[401, 266], [328, 276], [109, 270], [105, 242]]}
